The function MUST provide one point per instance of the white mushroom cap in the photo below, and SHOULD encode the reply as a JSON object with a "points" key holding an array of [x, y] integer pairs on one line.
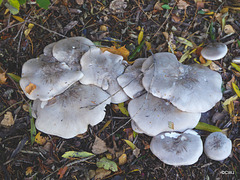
{"points": [[154, 115], [177, 149], [214, 51], [50, 78], [191, 88], [70, 50], [136, 128], [131, 79], [70, 113], [217, 146], [47, 51], [102, 69]]}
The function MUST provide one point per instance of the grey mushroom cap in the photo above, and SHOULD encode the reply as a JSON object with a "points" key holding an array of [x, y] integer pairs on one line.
{"points": [[177, 149], [70, 113], [102, 69], [217, 146], [131, 79], [70, 50], [191, 88], [50, 78], [214, 51], [47, 51], [153, 115], [136, 128]]}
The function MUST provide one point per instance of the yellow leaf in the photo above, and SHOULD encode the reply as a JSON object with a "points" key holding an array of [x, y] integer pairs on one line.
{"points": [[130, 144], [30, 26], [27, 31], [122, 159], [170, 124], [8, 119], [228, 101], [120, 51], [40, 139], [29, 171], [105, 125], [236, 89], [3, 78], [18, 18], [207, 63], [123, 109], [140, 36], [148, 44], [30, 88]]}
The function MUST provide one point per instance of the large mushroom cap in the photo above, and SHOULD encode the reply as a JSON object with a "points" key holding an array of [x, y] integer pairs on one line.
{"points": [[191, 88], [214, 51], [177, 149], [217, 146], [102, 69], [70, 113], [70, 50], [153, 115], [49, 78], [48, 50], [131, 79]]}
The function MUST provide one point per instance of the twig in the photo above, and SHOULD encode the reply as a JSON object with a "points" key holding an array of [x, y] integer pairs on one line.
{"points": [[10, 107]]}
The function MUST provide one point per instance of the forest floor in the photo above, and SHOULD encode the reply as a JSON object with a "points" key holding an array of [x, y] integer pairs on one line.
{"points": [[160, 23]]}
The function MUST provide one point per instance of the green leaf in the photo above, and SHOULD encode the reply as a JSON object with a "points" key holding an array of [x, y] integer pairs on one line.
{"points": [[16, 78], [207, 127], [185, 56], [166, 6], [1, 2], [212, 31], [123, 109], [184, 41], [13, 6], [33, 131], [201, 12], [43, 3], [237, 67], [75, 154], [136, 50], [130, 144], [107, 164], [238, 43], [22, 2]]}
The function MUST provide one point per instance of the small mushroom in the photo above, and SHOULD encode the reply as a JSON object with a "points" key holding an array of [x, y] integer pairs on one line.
{"points": [[70, 113], [191, 88], [177, 149], [48, 78], [153, 115], [214, 51], [131, 79], [217, 146], [102, 69], [70, 50]]}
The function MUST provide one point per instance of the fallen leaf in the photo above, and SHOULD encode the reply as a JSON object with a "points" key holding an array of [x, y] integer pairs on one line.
{"points": [[25, 107], [101, 173], [122, 159], [62, 171], [99, 146], [103, 28], [140, 36], [8, 119], [120, 51], [158, 6], [16, 78], [3, 78], [30, 88], [107, 164], [182, 4], [18, 18], [149, 46], [75, 154], [207, 127], [213, 66], [40, 139], [29, 171], [236, 89], [228, 29], [123, 109], [130, 144], [136, 152], [80, 2]]}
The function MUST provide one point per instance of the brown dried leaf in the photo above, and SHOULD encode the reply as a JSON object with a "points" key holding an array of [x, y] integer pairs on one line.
{"points": [[228, 29], [30, 88], [3, 78], [122, 159], [158, 6], [80, 2], [8, 119], [99, 146], [136, 152], [182, 4], [62, 171], [120, 51], [101, 173]]}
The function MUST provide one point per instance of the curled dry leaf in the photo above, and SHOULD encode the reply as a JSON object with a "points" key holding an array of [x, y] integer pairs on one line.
{"points": [[101, 173], [182, 4], [8, 119], [120, 51], [3, 78], [40, 139], [30, 88], [122, 159], [228, 29], [99, 146]]}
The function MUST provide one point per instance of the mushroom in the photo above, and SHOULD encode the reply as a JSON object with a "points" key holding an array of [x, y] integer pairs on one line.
{"points": [[102, 69], [70, 50], [47, 51], [191, 88], [136, 128], [153, 115], [71, 112], [217, 146], [131, 79], [48, 78], [177, 149], [214, 51]]}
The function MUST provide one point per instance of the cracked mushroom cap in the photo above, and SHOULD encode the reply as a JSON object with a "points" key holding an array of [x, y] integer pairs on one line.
{"points": [[153, 115], [70, 50], [102, 69], [44, 80], [214, 51], [70, 113], [131, 79], [191, 88], [217, 146], [177, 149]]}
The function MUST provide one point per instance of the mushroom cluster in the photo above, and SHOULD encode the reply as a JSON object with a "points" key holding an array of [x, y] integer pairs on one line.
{"points": [[73, 81]]}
